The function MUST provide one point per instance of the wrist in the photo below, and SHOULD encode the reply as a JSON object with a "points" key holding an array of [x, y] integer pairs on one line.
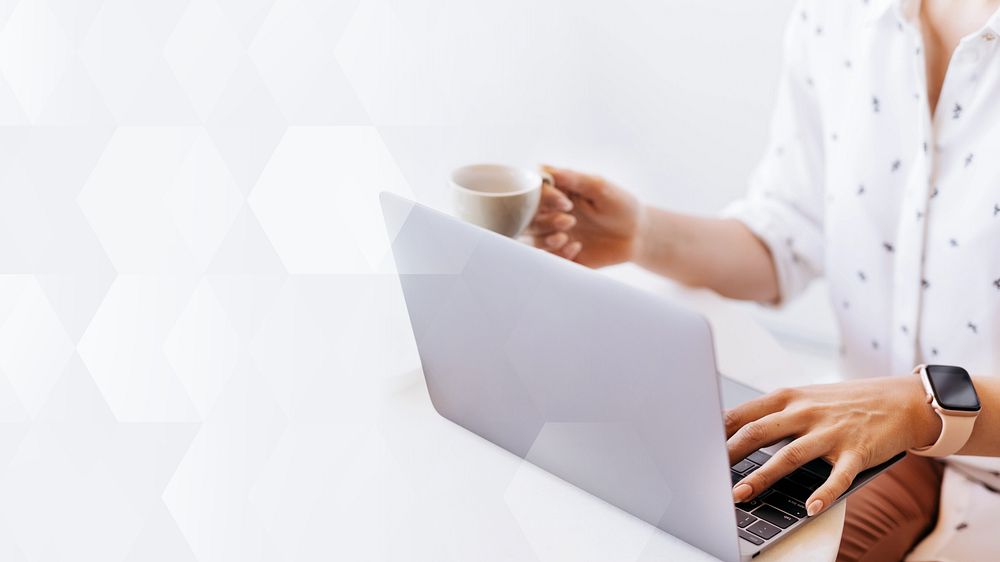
{"points": [[640, 239], [654, 242], [924, 422]]}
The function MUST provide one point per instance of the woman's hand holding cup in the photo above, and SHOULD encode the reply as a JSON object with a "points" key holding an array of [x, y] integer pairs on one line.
{"points": [[586, 219]]}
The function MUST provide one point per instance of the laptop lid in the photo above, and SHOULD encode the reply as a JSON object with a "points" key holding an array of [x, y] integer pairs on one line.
{"points": [[599, 383]]}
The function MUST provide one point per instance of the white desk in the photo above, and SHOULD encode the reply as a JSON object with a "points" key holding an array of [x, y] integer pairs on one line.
{"points": [[470, 500]]}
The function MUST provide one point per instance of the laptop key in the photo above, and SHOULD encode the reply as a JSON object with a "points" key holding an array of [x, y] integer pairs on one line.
{"points": [[786, 504], [743, 518], [750, 537], [774, 516], [759, 457], [806, 479], [819, 467], [736, 476], [792, 490], [763, 529], [743, 466], [750, 505]]}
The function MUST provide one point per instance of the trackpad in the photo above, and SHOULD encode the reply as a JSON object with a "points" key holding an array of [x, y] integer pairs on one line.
{"points": [[735, 393]]}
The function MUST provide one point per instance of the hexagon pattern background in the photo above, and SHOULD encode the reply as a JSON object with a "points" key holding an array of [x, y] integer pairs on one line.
{"points": [[198, 326], [193, 326]]}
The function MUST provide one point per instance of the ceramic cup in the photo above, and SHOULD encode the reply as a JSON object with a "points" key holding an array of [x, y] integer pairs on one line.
{"points": [[498, 197]]}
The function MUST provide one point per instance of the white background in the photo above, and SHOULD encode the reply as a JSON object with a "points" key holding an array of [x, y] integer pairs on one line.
{"points": [[197, 324]]}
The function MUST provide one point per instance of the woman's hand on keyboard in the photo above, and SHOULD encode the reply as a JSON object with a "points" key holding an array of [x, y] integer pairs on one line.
{"points": [[854, 425]]}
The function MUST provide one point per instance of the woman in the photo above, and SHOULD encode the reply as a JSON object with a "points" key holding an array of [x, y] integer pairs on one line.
{"points": [[883, 175]]}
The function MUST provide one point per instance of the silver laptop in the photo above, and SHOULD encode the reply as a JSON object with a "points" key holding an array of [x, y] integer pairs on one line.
{"points": [[602, 384]]}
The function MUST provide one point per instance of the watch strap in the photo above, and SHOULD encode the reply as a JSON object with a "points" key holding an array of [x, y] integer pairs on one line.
{"points": [[955, 432]]}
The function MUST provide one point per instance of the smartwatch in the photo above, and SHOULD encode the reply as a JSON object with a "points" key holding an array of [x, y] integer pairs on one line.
{"points": [[952, 395]]}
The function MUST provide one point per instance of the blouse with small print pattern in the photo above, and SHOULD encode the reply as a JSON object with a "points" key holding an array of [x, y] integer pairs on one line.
{"points": [[897, 208]]}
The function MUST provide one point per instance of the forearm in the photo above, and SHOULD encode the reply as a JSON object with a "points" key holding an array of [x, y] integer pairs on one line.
{"points": [[719, 254]]}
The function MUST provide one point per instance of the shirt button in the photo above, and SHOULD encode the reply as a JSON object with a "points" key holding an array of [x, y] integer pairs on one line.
{"points": [[989, 36]]}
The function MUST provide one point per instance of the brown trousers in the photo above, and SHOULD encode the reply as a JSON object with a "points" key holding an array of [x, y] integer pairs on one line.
{"points": [[891, 514]]}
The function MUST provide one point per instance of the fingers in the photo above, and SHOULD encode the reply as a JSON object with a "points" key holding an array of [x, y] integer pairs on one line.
{"points": [[552, 242], [848, 465], [572, 250], [577, 183], [559, 244], [790, 457], [554, 200], [756, 409], [550, 232], [766, 431], [548, 223]]}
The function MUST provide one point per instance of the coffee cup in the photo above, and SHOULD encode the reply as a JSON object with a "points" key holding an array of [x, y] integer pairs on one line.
{"points": [[500, 198]]}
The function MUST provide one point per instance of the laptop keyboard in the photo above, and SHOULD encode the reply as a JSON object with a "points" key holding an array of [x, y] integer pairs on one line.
{"points": [[766, 516]]}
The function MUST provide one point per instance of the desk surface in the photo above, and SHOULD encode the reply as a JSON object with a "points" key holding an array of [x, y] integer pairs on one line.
{"points": [[264, 418], [474, 501]]}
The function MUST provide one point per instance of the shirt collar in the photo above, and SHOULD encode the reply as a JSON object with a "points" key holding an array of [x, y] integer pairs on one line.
{"points": [[880, 9], [993, 24]]}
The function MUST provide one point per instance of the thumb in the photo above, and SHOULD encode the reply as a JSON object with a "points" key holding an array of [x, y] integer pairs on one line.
{"points": [[577, 183]]}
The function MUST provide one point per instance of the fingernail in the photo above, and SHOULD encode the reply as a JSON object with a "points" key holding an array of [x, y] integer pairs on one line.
{"points": [[815, 507], [742, 492], [565, 222], [565, 205], [556, 240]]}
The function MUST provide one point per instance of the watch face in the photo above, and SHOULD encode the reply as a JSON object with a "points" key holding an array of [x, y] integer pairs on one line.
{"points": [[953, 388]]}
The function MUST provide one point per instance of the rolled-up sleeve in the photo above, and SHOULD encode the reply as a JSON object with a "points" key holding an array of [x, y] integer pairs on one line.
{"points": [[784, 205]]}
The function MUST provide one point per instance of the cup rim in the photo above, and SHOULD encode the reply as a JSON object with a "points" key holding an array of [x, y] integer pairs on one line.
{"points": [[494, 166]]}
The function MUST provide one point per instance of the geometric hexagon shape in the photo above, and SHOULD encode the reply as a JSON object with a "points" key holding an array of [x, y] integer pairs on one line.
{"points": [[123, 349], [203, 200], [34, 54], [317, 199], [203, 51], [34, 346], [202, 348], [123, 199]]}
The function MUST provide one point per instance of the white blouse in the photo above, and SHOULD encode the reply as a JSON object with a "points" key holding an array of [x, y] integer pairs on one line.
{"points": [[898, 209]]}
